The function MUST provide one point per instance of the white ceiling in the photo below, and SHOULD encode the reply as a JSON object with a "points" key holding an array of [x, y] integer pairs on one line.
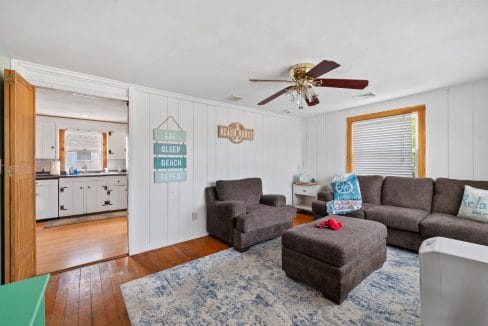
{"points": [[72, 105], [211, 48]]}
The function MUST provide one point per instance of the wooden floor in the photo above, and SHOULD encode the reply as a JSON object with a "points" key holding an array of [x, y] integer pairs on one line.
{"points": [[63, 247], [91, 295]]}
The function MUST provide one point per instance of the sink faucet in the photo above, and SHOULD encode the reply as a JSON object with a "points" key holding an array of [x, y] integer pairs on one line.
{"points": [[85, 168]]}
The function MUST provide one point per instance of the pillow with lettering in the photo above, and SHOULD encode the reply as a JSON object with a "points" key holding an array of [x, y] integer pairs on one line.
{"points": [[474, 204]]}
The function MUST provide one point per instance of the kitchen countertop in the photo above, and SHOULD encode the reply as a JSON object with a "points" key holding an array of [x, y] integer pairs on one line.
{"points": [[45, 176]]}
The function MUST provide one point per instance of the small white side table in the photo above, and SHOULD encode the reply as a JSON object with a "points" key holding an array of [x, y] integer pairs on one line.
{"points": [[303, 195]]}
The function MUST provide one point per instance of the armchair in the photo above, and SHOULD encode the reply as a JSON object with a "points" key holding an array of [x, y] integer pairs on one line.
{"points": [[239, 213]]}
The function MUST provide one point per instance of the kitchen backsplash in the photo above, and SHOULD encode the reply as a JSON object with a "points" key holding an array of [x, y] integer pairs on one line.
{"points": [[113, 165]]}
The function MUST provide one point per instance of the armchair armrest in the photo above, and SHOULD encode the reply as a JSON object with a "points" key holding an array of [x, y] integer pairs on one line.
{"points": [[230, 208], [325, 195], [273, 200]]}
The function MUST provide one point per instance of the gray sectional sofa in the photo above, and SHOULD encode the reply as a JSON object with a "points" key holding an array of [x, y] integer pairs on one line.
{"points": [[239, 213], [414, 209]]}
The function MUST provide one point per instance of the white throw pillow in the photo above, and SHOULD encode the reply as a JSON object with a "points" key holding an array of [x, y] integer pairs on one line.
{"points": [[474, 204]]}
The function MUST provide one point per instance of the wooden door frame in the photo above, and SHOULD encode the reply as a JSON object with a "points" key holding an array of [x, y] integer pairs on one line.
{"points": [[10, 76]]}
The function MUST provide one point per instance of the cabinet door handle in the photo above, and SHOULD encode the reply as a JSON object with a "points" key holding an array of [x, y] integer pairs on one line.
{"points": [[52, 147], [62, 208], [89, 187], [62, 189]]}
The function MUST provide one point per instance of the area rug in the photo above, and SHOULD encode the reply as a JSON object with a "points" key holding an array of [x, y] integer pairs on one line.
{"points": [[85, 218], [232, 288]]}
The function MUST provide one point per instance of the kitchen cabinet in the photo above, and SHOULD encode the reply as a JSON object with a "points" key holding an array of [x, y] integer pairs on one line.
{"points": [[45, 139], [46, 199], [91, 196], [65, 197], [84, 195], [116, 144], [78, 198]]}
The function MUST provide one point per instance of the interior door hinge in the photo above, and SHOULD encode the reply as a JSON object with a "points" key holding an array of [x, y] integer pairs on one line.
{"points": [[9, 78], [10, 171]]}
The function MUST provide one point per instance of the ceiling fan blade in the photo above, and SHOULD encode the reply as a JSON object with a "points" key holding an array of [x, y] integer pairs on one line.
{"points": [[275, 95], [341, 83], [322, 67], [272, 80], [313, 102]]}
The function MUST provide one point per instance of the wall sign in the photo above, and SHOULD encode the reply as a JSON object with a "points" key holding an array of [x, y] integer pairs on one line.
{"points": [[236, 133], [169, 150]]}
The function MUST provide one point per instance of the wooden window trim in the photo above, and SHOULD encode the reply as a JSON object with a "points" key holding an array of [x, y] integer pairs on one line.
{"points": [[62, 149], [419, 109]]}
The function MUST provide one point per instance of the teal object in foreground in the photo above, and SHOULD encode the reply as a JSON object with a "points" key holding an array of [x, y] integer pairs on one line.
{"points": [[22, 303], [169, 176], [170, 162]]}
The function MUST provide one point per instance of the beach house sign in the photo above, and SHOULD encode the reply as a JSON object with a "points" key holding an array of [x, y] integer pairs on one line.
{"points": [[169, 150], [236, 133]]}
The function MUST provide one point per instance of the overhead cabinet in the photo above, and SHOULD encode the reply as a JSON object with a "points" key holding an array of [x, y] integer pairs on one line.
{"points": [[45, 140], [117, 144], [82, 195]]}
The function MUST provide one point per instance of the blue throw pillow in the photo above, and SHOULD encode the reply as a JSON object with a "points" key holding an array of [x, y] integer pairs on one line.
{"points": [[346, 187], [347, 195]]}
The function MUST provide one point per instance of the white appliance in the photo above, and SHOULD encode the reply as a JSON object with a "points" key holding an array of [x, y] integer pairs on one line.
{"points": [[46, 199], [453, 282]]}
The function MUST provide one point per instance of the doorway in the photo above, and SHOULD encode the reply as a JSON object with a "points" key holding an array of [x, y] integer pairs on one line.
{"points": [[81, 179]]}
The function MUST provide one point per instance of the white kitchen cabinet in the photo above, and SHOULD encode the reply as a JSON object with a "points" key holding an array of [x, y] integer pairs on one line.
{"points": [[65, 197], [46, 199], [116, 144], [45, 139], [123, 196], [85, 195], [78, 198], [91, 196]]}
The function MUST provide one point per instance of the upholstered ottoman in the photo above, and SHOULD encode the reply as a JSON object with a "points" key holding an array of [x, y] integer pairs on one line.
{"points": [[334, 261]]}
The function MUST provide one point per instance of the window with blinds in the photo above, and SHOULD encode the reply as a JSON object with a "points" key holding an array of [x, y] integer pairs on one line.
{"points": [[385, 146]]}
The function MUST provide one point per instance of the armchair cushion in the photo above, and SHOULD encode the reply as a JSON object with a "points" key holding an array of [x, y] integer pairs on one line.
{"points": [[230, 208], [262, 216], [325, 195], [248, 190], [273, 200]]}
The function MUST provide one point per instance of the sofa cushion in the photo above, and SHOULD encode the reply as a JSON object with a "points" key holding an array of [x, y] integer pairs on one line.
{"points": [[370, 186], [249, 191], [399, 218], [360, 212], [408, 192], [448, 194], [335, 247], [450, 226], [261, 216]]}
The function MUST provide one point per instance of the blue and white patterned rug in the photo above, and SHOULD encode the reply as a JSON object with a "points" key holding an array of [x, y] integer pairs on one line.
{"points": [[231, 288]]}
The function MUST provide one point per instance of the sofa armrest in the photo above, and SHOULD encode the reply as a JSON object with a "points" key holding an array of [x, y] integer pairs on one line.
{"points": [[325, 195], [230, 208], [273, 200]]}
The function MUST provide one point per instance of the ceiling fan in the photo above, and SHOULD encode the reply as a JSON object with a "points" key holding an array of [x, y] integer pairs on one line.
{"points": [[304, 77]]}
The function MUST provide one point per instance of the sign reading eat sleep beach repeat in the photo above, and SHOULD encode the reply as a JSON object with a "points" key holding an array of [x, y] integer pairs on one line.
{"points": [[169, 151]]}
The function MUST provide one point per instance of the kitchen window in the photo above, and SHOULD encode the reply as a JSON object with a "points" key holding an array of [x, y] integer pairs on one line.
{"points": [[387, 143], [83, 150]]}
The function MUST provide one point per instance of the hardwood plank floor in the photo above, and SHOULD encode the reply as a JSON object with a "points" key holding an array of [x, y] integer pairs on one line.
{"points": [[63, 247], [91, 295]]}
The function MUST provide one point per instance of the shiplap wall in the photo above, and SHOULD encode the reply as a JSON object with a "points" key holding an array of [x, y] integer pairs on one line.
{"points": [[456, 127], [161, 214]]}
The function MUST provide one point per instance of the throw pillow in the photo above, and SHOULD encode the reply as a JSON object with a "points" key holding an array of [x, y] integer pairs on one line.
{"points": [[347, 195], [474, 204]]}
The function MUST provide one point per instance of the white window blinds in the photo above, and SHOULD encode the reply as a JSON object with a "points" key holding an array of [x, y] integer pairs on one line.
{"points": [[385, 146]]}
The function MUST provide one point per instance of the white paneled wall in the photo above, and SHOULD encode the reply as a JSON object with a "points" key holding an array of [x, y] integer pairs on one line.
{"points": [[457, 137], [161, 214]]}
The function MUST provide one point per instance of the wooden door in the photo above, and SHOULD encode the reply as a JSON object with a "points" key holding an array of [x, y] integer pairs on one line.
{"points": [[20, 178]]}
